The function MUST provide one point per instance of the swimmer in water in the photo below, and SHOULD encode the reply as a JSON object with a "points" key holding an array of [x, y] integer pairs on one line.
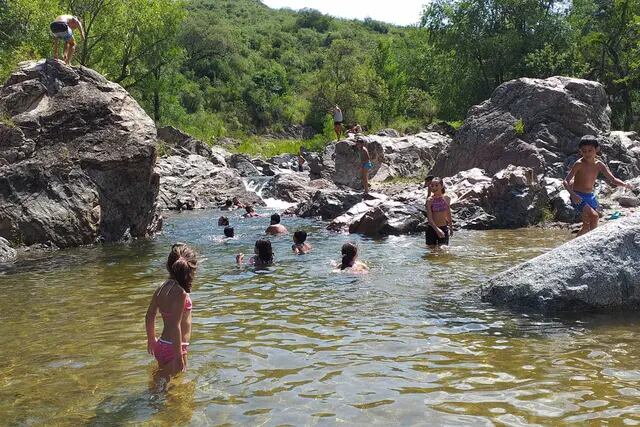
{"points": [[263, 254], [300, 246], [350, 259]]}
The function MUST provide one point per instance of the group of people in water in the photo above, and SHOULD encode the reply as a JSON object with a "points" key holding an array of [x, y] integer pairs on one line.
{"points": [[172, 299]]}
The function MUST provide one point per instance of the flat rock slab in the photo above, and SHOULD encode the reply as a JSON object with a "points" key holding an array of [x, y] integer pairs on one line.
{"points": [[599, 271]]}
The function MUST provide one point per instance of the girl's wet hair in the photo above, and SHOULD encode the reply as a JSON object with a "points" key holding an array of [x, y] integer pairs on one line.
{"points": [[300, 236], [349, 253], [229, 231], [249, 208], [264, 251], [181, 265], [223, 220], [440, 181]]}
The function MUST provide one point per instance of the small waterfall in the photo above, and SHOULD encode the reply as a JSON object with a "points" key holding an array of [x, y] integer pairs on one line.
{"points": [[257, 185]]}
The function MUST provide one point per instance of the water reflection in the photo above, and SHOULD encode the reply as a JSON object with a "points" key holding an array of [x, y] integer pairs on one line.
{"points": [[302, 344]]}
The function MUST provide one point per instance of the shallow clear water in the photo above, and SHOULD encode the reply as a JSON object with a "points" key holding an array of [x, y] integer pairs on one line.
{"points": [[303, 345]]}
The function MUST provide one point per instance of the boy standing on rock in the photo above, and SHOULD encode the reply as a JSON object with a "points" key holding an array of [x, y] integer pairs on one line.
{"points": [[584, 173], [365, 164], [62, 28]]}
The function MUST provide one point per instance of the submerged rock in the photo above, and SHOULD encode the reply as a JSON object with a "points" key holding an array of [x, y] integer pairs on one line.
{"points": [[597, 271], [76, 158]]}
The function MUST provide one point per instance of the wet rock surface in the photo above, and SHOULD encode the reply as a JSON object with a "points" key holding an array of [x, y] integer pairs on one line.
{"points": [[76, 158], [597, 271], [194, 182]]}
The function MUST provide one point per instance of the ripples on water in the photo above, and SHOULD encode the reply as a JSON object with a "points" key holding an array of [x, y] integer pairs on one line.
{"points": [[406, 344]]}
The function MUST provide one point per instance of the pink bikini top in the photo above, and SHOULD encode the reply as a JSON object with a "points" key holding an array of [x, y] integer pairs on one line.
{"points": [[439, 204], [188, 304]]}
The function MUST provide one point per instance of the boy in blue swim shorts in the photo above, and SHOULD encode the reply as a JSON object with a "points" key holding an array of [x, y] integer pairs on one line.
{"points": [[584, 173], [365, 162]]}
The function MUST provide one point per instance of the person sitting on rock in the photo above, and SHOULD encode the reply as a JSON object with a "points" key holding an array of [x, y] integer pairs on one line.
{"points": [[62, 29], [228, 206], [275, 227], [301, 159], [438, 215], [584, 173], [223, 221], [251, 212], [263, 254], [350, 261], [229, 232], [365, 164], [300, 246]]}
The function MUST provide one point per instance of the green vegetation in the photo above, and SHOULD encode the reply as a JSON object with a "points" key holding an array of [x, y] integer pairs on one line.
{"points": [[518, 127], [7, 121], [548, 215], [235, 67]]}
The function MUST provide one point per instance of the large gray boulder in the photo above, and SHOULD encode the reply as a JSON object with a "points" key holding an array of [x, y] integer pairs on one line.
{"points": [[597, 271], [555, 113], [512, 198], [295, 187], [328, 203], [194, 182], [76, 158]]}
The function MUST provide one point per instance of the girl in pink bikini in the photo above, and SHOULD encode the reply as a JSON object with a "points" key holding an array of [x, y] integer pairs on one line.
{"points": [[174, 304], [438, 214]]}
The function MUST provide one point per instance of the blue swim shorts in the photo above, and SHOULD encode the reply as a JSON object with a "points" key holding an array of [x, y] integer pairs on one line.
{"points": [[587, 199], [367, 165]]}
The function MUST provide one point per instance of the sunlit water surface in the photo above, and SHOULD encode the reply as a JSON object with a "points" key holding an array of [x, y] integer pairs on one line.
{"points": [[304, 345]]}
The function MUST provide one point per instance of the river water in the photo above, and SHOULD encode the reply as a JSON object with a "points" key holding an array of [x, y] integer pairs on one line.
{"points": [[304, 345]]}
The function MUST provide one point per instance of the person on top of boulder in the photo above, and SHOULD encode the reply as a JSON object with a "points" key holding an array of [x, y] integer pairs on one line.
{"points": [[438, 215], [301, 159], [62, 29], [365, 164], [337, 122], [275, 227], [584, 173]]}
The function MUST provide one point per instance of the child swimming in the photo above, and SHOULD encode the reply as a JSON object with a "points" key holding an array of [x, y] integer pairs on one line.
{"points": [[584, 173], [275, 227], [439, 215], [172, 300], [223, 221], [229, 232], [349, 259], [300, 246], [250, 212], [263, 254]]}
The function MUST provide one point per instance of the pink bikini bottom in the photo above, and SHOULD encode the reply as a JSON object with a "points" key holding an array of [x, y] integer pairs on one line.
{"points": [[164, 353]]}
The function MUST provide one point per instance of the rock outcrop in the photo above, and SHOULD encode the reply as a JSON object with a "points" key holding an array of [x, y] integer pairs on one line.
{"points": [[194, 182], [527, 122], [76, 158], [392, 157], [512, 198], [7, 253], [597, 271]]}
